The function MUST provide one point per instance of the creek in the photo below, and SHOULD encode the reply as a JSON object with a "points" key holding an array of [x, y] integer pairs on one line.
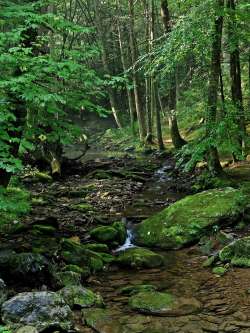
{"points": [[132, 197]]}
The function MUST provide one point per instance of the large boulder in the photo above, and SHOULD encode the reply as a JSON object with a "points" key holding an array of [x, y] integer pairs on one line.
{"points": [[41, 310], [188, 219], [138, 257], [80, 297], [237, 253], [163, 304]]}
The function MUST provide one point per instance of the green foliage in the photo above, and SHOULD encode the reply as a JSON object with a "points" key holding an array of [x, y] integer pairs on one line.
{"points": [[4, 329], [14, 202], [120, 139], [45, 74]]}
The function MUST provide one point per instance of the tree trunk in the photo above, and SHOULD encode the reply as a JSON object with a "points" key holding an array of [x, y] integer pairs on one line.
{"points": [[235, 72], [155, 108], [125, 68], [149, 138], [134, 56], [214, 165], [177, 140], [158, 119], [101, 35]]}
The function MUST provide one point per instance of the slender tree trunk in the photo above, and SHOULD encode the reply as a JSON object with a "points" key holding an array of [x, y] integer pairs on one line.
{"points": [[149, 138], [158, 119], [101, 35], [125, 68], [177, 140], [155, 108], [138, 104], [211, 123], [235, 72]]}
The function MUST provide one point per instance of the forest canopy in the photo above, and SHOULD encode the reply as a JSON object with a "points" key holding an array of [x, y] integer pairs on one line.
{"points": [[160, 67]]}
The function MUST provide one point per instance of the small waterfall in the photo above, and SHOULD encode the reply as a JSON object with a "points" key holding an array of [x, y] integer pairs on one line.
{"points": [[128, 242]]}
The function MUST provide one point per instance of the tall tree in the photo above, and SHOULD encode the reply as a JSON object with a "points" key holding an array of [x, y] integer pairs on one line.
{"points": [[134, 56], [235, 71], [211, 123], [125, 65], [102, 38], [177, 140], [155, 107]]}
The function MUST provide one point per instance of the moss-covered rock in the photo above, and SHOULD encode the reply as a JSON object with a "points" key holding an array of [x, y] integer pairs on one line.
{"points": [[13, 228], [163, 304], [97, 247], [188, 219], [138, 258], [102, 321], [209, 261], [67, 278], [83, 207], [37, 177], [104, 234], [73, 268], [74, 253], [27, 263], [132, 290], [43, 229], [122, 232], [45, 245], [237, 253], [80, 297], [220, 271]]}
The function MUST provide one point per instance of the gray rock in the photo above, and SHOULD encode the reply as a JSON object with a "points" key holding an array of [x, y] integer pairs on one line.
{"points": [[38, 309]]}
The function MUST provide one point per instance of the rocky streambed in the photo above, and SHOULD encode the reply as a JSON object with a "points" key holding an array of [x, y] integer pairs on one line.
{"points": [[72, 266]]}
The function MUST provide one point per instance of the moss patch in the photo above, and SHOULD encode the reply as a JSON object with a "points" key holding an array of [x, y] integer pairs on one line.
{"points": [[188, 219], [163, 304], [139, 257], [237, 253]]}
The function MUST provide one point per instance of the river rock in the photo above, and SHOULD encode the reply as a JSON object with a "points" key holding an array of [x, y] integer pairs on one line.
{"points": [[74, 253], [237, 253], [28, 263], [102, 321], [163, 304], [108, 234], [27, 266], [138, 258], [67, 278], [187, 220], [38, 309], [131, 290], [80, 297]]}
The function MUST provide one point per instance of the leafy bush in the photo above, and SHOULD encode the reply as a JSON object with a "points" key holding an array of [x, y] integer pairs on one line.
{"points": [[14, 202]]}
